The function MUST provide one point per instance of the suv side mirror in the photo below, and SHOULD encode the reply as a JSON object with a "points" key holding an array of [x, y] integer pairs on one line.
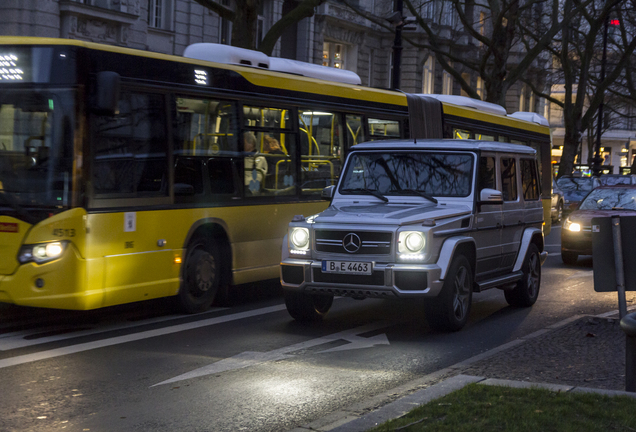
{"points": [[327, 193], [490, 196]]}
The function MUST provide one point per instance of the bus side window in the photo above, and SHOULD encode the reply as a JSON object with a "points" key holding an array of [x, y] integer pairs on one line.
{"points": [[354, 130], [381, 129], [461, 134], [321, 148], [130, 157]]}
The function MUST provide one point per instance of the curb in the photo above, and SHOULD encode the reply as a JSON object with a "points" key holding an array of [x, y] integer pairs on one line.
{"points": [[400, 400]]}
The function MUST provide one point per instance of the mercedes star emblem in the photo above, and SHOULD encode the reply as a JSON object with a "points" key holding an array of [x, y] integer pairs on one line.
{"points": [[351, 243]]}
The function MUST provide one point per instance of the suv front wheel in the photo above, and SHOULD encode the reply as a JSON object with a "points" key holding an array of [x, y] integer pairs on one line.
{"points": [[305, 307], [449, 311]]}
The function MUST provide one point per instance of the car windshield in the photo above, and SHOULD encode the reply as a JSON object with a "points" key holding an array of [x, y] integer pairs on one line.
{"points": [[584, 184], [407, 173], [610, 198], [615, 180], [36, 147]]}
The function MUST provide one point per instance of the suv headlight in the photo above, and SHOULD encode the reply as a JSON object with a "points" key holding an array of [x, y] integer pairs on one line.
{"points": [[42, 252], [411, 245], [298, 240], [571, 226]]}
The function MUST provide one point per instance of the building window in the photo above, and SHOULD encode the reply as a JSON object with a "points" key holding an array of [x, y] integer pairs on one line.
{"points": [[225, 29], [480, 88], [333, 55], [465, 77], [428, 77], [160, 14], [447, 82]]}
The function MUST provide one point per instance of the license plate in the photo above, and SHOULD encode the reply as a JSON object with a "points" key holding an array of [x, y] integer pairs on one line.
{"points": [[347, 267]]}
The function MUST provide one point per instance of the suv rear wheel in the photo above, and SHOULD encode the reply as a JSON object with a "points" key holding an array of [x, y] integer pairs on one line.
{"points": [[526, 292], [449, 311]]}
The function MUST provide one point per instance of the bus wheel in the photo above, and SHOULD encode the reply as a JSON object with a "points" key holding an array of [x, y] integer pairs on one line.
{"points": [[307, 308], [201, 278], [449, 311]]}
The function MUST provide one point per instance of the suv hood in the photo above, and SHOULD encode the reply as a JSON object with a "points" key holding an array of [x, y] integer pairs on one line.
{"points": [[389, 214]]}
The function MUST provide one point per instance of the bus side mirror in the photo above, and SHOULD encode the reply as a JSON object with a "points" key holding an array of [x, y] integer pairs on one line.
{"points": [[490, 196], [327, 193], [108, 86]]}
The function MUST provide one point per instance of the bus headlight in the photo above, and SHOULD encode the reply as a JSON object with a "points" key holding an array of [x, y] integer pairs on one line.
{"points": [[411, 243], [41, 253], [299, 238]]}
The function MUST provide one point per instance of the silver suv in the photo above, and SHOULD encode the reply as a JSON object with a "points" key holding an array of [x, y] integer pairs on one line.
{"points": [[430, 219]]}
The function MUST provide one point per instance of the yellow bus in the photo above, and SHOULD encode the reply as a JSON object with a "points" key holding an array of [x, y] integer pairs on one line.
{"points": [[128, 175]]}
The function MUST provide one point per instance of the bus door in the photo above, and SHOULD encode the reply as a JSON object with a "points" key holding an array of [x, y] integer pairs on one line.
{"points": [[130, 246]]}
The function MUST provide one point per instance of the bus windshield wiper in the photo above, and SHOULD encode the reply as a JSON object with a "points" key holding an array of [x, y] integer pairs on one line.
{"points": [[375, 193], [417, 192], [10, 200]]}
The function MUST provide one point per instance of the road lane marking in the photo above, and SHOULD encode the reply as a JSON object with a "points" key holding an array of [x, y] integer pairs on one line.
{"points": [[13, 340], [252, 358], [58, 352]]}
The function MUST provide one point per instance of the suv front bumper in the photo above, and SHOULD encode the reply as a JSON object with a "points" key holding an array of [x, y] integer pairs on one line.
{"points": [[386, 281]]}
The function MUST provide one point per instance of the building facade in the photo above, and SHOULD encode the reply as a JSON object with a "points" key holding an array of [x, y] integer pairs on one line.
{"points": [[334, 36]]}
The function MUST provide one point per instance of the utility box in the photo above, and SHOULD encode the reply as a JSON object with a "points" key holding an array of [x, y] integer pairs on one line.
{"points": [[603, 253]]}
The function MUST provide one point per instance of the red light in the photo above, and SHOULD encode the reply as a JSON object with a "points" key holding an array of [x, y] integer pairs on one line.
{"points": [[615, 22]]}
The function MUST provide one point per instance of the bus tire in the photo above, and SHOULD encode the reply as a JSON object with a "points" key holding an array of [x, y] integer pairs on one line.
{"points": [[201, 277], [450, 310], [526, 292], [307, 308]]}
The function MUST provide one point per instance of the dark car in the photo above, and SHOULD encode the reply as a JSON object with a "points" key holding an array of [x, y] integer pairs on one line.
{"points": [[575, 189], [576, 235]]}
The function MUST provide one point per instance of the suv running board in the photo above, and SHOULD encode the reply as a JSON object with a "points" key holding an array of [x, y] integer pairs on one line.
{"points": [[498, 282]]}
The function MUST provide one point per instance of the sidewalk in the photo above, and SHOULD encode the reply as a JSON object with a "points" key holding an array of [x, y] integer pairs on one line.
{"points": [[582, 354]]}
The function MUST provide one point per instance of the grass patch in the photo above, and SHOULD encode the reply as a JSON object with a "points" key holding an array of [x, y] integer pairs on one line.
{"points": [[488, 408]]}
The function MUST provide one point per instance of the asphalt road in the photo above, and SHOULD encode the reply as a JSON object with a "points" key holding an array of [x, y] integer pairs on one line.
{"points": [[249, 367]]}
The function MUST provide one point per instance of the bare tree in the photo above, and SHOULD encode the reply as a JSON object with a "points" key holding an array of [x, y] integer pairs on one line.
{"points": [[579, 68], [245, 16]]}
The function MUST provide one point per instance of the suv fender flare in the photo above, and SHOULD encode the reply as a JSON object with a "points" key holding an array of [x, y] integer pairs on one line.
{"points": [[447, 253], [528, 235]]}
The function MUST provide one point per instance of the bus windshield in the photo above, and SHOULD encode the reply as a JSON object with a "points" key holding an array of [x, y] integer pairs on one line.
{"points": [[36, 148], [434, 174]]}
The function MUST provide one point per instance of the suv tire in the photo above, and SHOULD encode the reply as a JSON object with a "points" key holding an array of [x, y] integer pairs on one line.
{"points": [[307, 308], [449, 311], [526, 291]]}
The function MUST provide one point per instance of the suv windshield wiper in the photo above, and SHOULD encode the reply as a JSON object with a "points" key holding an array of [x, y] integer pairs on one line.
{"points": [[623, 208], [420, 193], [368, 192]]}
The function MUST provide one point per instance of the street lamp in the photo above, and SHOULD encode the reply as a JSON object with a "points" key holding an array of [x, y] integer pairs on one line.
{"points": [[597, 160]]}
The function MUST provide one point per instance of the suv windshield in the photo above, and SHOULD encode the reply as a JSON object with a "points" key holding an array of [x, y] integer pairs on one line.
{"points": [[36, 148], [400, 173]]}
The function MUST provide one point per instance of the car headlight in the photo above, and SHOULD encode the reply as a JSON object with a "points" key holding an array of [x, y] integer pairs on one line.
{"points": [[411, 242], [41, 253], [299, 238], [571, 226]]}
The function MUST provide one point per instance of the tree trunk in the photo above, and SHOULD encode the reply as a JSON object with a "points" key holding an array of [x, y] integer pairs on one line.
{"points": [[244, 24]]}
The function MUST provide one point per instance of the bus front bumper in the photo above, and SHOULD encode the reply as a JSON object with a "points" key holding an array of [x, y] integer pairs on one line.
{"points": [[385, 281]]}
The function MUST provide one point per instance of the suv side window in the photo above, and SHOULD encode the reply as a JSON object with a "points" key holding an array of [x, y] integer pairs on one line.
{"points": [[508, 179], [487, 173], [529, 181]]}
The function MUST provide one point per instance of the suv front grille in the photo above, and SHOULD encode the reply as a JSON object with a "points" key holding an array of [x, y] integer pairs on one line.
{"points": [[354, 242]]}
